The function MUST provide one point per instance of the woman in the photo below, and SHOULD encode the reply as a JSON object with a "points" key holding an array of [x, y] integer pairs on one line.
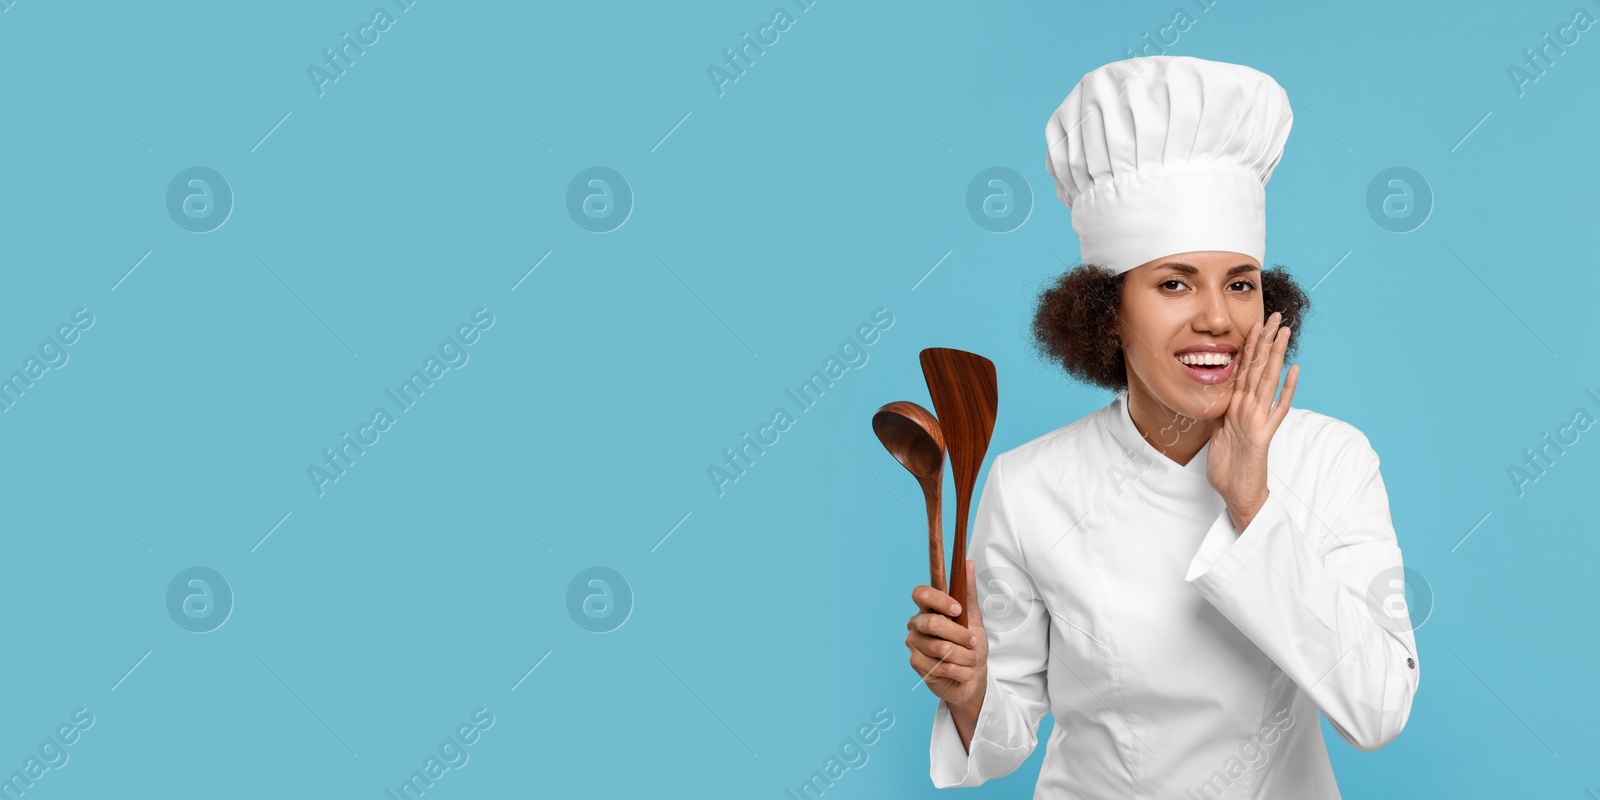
{"points": [[1184, 577]]}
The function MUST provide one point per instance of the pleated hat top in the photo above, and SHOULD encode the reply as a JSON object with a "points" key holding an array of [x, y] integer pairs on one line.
{"points": [[1158, 155]]}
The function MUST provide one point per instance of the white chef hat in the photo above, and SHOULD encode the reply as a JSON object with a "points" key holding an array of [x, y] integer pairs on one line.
{"points": [[1158, 155]]}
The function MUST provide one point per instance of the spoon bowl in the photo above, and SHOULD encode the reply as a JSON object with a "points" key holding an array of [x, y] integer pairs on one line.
{"points": [[912, 435]]}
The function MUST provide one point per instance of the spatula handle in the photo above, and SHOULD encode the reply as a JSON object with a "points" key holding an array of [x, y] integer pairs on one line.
{"points": [[958, 561]]}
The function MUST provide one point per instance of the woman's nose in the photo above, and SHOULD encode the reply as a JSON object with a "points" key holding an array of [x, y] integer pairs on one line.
{"points": [[1212, 315]]}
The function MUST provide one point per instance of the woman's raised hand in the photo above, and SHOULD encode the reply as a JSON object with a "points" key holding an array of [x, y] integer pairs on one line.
{"points": [[1236, 465]]}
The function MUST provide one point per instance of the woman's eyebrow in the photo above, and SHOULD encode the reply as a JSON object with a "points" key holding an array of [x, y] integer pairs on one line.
{"points": [[1189, 269]]}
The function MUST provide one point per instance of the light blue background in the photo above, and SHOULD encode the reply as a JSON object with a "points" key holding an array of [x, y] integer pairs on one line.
{"points": [[768, 225]]}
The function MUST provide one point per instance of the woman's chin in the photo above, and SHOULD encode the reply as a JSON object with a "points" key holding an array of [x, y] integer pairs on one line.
{"points": [[1207, 403]]}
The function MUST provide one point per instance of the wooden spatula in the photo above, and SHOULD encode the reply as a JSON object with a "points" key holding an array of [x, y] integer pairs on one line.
{"points": [[966, 397]]}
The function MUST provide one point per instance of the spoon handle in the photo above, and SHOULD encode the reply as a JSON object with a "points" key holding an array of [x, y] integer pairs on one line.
{"points": [[935, 537]]}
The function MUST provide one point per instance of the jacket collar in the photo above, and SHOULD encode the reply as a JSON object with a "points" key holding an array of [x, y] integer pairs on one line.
{"points": [[1154, 471]]}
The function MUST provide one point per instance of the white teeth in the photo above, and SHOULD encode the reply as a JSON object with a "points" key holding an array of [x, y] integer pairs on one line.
{"points": [[1206, 358]]}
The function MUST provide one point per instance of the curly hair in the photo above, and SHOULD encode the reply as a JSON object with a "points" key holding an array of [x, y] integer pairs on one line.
{"points": [[1073, 320]]}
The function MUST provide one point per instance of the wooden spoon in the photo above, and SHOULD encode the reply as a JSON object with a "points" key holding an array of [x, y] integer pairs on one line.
{"points": [[911, 434], [966, 396]]}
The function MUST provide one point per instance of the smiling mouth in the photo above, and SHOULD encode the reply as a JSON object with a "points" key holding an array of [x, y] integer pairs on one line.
{"points": [[1205, 360], [1207, 367]]}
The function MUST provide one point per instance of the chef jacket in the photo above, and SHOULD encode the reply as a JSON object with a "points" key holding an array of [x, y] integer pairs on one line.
{"points": [[1183, 658]]}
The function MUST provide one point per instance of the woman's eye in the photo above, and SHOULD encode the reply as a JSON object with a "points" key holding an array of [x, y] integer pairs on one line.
{"points": [[1175, 284]]}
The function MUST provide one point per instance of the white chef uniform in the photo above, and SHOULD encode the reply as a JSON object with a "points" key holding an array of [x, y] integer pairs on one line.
{"points": [[1183, 658]]}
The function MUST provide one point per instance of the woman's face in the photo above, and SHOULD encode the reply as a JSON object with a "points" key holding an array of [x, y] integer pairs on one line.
{"points": [[1195, 307]]}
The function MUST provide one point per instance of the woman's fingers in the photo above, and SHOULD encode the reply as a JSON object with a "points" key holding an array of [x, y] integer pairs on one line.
{"points": [[928, 597], [1243, 379], [1282, 409], [1259, 352], [943, 627], [1268, 387], [941, 649], [929, 667]]}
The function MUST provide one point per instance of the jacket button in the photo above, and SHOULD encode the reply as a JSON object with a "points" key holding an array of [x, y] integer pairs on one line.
{"points": [[1411, 662]]}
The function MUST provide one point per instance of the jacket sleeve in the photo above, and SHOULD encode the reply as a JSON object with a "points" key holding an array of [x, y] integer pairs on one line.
{"points": [[1016, 625], [1321, 603]]}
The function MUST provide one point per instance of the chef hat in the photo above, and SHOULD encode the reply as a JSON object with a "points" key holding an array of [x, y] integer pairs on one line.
{"points": [[1158, 155]]}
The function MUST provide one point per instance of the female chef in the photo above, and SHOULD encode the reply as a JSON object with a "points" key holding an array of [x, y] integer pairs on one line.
{"points": [[1187, 576]]}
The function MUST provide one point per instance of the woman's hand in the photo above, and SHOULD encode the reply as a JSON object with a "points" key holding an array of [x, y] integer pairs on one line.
{"points": [[952, 660], [1236, 465]]}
